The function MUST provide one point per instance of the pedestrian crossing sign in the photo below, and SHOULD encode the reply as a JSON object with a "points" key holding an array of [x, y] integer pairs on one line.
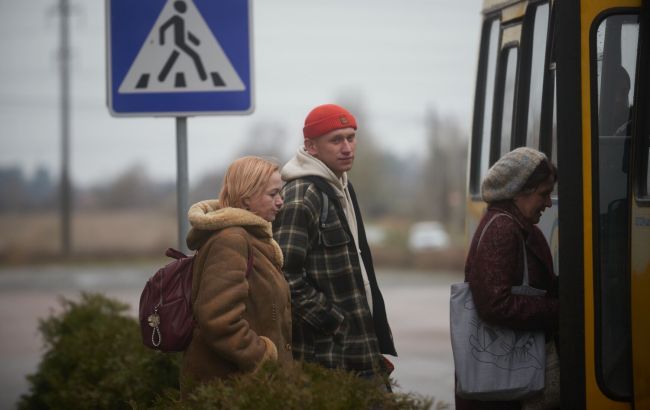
{"points": [[179, 57]]}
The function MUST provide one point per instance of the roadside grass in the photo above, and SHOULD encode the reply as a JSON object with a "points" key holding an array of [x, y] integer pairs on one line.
{"points": [[134, 235], [96, 236]]}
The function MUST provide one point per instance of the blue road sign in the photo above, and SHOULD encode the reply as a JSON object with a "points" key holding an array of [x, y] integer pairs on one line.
{"points": [[179, 57]]}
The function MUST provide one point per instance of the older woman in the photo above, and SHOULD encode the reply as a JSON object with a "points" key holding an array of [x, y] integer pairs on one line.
{"points": [[517, 188], [240, 298]]}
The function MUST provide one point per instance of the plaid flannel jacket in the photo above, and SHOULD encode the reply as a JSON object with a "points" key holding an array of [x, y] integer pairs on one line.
{"points": [[332, 323]]}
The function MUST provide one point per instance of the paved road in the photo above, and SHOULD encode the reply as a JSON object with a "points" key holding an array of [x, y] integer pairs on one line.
{"points": [[417, 303]]}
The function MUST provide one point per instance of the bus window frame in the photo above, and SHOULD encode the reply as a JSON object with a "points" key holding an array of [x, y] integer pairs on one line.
{"points": [[548, 92], [499, 89], [479, 105], [641, 122], [520, 135], [595, 195]]}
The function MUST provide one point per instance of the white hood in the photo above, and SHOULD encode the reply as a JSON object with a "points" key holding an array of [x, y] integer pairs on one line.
{"points": [[303, 164]]}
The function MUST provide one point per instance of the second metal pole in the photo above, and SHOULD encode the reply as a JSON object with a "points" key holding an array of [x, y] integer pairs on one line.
{"points": [[182, 182], [65, 188]]}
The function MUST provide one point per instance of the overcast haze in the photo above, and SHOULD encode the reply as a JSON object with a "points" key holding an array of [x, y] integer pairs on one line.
{"points": [[398, 59]]}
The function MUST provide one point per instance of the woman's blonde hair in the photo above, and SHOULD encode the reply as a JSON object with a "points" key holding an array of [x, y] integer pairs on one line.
{"points": [[244, 178]]}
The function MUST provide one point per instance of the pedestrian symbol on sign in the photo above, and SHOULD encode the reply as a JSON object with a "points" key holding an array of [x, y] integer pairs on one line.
{"points": [[190, 64], [178, 25]]}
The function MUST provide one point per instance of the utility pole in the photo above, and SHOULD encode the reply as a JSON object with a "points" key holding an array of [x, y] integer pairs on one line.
{"points": [[64, 71]]}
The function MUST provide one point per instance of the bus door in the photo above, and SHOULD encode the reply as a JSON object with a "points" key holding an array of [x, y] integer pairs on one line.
{"points": [[621, 246]]}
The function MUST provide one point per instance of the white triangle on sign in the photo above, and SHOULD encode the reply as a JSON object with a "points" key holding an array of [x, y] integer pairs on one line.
{"points": [[180, 54]]}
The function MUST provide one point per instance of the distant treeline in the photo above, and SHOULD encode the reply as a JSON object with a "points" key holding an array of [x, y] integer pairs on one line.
{"points": [[430, 186]]}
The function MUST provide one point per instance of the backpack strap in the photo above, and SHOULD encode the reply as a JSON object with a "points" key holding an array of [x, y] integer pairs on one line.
{"points": [[174, 253], [327, 194], [324, 209]]}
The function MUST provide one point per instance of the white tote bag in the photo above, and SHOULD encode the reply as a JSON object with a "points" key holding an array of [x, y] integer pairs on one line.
{"points": [[494, 362]]}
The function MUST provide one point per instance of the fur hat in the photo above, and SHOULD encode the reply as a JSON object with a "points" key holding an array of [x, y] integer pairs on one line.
{"points": [[509, 174], [326, 118]]}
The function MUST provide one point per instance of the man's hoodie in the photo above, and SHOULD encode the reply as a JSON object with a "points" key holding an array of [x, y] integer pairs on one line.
{"points": [[302, 165]]}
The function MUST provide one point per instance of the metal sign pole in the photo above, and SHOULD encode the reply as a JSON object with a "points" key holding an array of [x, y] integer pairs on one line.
{"points": [[182, 182], [65, 188]]}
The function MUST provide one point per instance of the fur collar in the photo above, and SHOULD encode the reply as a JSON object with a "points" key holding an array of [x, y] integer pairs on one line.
{"points": [[208, 215]]}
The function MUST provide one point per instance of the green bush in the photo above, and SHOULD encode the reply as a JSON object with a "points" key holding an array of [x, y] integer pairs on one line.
{"points": [[94, 358], [299, 387]]}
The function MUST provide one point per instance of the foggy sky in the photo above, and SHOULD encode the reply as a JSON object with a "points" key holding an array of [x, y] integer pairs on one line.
{"points": [[398, 59]]}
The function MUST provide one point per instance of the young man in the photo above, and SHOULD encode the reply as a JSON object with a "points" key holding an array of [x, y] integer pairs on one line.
{"points": [[338, 313]]}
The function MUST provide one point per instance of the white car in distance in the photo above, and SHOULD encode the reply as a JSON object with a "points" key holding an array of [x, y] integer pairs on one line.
{"points": [[427, 235]]}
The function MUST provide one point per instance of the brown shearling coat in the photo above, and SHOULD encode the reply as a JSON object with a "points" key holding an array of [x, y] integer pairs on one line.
{"points": [[242, 320]]}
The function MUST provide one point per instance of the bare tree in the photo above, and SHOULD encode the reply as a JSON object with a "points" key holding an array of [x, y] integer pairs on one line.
{"points": [[265, 139], [443, 196]]}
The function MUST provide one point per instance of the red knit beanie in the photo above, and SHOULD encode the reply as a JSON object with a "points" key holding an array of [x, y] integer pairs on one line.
{"points": [[325, 118]]}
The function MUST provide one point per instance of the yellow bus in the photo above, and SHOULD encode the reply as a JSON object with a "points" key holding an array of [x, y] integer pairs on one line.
{"points": [[572, 78]]}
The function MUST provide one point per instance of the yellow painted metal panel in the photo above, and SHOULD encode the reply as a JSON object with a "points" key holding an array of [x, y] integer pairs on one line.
{"points": [[496, 4], [490, 4], [511, 34], [589, 10], [516, 11], [641, 305], [510, 9]]}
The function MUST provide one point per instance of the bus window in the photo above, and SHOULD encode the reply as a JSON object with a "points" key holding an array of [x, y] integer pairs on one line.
{"points": [[538, 58], [643, 121], [510, 57], [615, 94], [548, 132], [615, 43], [492, 31]]}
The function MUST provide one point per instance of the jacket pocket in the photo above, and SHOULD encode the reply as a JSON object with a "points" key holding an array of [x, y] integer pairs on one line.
{"points": [[333, 234], [328, 350]]}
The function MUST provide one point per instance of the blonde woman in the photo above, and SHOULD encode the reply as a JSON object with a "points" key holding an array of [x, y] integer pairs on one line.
{"points": [[241, 301]]}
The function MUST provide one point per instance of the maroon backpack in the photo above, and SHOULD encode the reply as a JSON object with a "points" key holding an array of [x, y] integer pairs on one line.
{"points": [[166, 318], [166, 321]]}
